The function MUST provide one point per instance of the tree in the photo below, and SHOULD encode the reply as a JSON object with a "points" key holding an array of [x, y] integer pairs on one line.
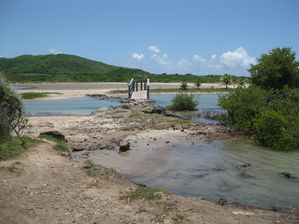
{"points": [[226, 79], [184, 85], [241, 82], [276, 69], [197, 83]]}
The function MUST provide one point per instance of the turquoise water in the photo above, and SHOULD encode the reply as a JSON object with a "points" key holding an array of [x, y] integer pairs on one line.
{"points": [[70, 106], [211, 170], [205, 100], [86, 105]]}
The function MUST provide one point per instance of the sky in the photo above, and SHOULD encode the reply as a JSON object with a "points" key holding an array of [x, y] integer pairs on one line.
{"points": [[171, 36]]}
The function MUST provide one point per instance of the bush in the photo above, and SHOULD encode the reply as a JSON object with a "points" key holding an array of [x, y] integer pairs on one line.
{"points": [[11, 113], [183, 102], [271, 116], [272, 130], [242, 106]]}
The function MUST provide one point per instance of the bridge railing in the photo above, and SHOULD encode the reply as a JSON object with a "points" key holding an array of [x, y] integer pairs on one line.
{"points": [[133, 87]]}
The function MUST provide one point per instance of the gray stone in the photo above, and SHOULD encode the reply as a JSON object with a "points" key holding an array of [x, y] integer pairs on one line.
{"points": [[124, 146]]}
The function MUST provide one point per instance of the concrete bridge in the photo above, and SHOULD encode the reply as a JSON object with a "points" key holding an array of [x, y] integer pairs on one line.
{"points": [[139, 90]]}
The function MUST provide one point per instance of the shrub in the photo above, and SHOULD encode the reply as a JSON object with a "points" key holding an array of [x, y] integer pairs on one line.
{"points": [[184, 85], [272, 130], [11, 113], [183, 102], [271, 116], [242, 106]]}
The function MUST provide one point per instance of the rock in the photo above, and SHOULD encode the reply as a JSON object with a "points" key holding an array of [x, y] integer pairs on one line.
{"points": [[125, 106], [167, 142], [222, 202], [124, 146], [288, 175], [54, 134], [244, 165]]}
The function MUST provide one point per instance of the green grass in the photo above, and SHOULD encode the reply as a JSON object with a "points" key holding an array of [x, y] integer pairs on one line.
{"points": [[34, 95], [146, 193], [14, 146], [176, 90], [60, 146]]}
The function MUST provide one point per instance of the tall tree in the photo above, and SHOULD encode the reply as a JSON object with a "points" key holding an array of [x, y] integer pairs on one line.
{"points": [[276, 69], [226, 79]]}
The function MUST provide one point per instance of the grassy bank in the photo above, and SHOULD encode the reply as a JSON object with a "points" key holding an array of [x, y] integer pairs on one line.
{"points": [[34, 95], [60, 146], [14, 146]]}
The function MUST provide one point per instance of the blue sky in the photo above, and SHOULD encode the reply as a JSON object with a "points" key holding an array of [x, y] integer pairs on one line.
{"points": [[183, 36]]}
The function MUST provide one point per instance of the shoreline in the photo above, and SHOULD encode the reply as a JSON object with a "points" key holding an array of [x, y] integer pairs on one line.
{"points": [[107, 129]]}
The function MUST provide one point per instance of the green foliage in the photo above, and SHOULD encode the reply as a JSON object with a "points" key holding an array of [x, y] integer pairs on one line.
{"points": [[241, 82], [60, 146], [33, 95], [14, 146], [184, 85], [144, 193], [242, 106], [70, 68], [227, 80], [270, 115], [183, 102], [272, 130], [276, 69], [11, 113], [197, 83]]}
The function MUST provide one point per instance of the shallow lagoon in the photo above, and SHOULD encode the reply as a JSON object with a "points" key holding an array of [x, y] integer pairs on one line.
{"points": [[86, 105], [212, 170], [69, 106]]}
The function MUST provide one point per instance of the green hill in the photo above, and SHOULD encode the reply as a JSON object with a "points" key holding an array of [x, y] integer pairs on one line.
{"points": [[63, 67], [71, 68]]}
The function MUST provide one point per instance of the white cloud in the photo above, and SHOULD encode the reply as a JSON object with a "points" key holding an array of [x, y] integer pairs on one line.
{"points": [[154, 49], [235, 62], [162, 60], [237, 58], [213, 57], [137, 56], [198, 58], [53, 51]]}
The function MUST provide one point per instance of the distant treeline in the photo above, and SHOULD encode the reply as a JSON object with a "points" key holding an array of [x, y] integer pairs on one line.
{"points": [[71, 68]]}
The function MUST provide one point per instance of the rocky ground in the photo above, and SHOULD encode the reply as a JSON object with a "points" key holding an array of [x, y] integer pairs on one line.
{"points": [[108, 128], [42, 186]]}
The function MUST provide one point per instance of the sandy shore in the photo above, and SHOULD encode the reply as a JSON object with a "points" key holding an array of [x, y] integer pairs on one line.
{"points": [[68, 90]]}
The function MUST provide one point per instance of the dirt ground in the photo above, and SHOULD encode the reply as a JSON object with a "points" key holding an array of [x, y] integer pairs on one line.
{"points": [[43, 186]]}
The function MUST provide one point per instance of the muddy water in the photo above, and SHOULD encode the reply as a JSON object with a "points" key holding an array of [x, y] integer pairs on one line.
{"points": [[212, 170]]}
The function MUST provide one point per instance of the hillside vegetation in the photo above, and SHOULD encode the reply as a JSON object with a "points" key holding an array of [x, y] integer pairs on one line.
{"points": [[71, 68]]}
